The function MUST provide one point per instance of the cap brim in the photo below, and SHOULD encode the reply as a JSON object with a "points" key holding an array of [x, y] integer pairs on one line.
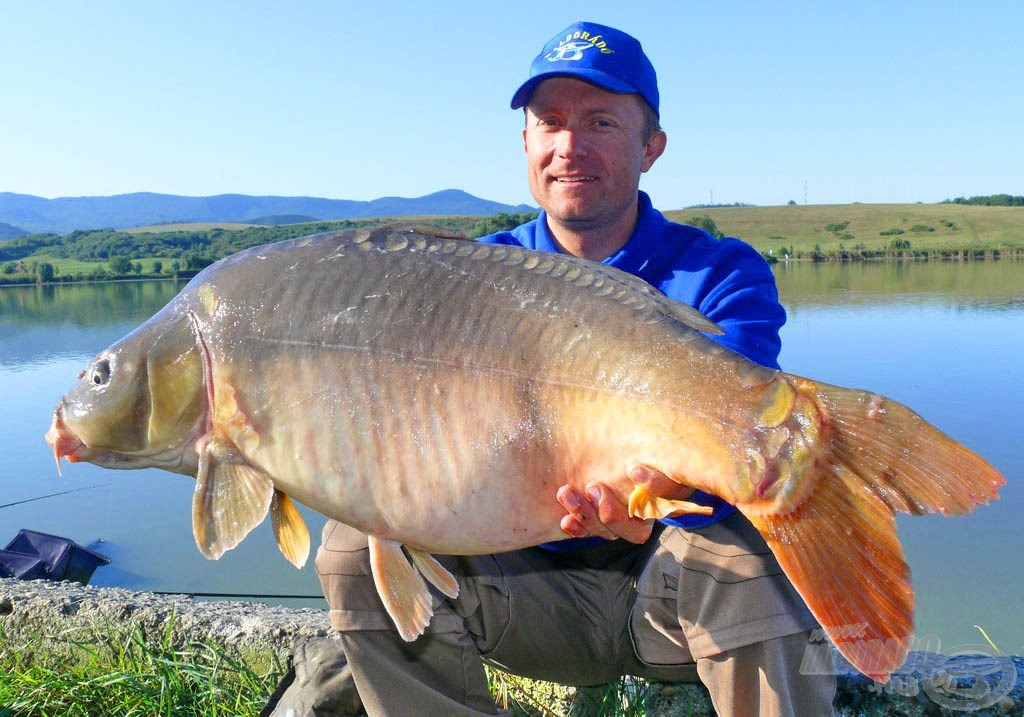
{"points": [[594, 77]]}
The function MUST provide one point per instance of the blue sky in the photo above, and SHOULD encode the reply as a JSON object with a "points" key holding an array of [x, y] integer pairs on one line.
{"points": [[763, 102]]}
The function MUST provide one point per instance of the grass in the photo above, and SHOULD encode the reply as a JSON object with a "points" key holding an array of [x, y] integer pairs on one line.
{"points": [[66, 267], [127, 673], [928, 227]]}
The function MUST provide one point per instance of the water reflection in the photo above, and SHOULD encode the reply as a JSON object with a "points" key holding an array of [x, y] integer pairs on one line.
{"points": [[84, 304], [982, 285]]}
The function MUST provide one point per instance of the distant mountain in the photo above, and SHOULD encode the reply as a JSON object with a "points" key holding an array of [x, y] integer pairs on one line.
{"points": [[10, 232], [65, 214]]}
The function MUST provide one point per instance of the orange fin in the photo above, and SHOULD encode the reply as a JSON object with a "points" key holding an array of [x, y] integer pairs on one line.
{"points": [[401, 588], [909, 463], [839, 549], [644, 504], [839, 546], [289, 529], [434, 572]]}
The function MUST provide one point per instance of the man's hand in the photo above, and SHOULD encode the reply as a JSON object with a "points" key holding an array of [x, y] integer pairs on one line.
{"points": [[599, 513]]}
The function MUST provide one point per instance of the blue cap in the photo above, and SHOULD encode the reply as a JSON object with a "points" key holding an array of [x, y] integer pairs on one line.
{"points": [[598, 54]]}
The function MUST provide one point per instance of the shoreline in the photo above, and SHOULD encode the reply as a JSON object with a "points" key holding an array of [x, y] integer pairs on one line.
{"points": [[41, 615]]}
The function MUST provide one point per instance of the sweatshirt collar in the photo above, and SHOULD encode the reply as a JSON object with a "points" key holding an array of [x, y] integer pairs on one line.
{"points": [[635, 254]]}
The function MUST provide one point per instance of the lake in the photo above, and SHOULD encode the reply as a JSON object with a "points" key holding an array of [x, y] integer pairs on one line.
{"points": [[945, 338]]}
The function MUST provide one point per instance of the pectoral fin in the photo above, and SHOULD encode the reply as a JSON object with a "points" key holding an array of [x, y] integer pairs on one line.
{"points": [[644, 504], [231, 498], [289, 529], [401, 588]]}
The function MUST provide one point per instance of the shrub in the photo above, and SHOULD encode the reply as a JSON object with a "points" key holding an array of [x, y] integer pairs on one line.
{"points": [[703, 221]]}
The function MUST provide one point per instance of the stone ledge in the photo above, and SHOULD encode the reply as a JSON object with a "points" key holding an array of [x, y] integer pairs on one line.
{"points": [[31, 610]]}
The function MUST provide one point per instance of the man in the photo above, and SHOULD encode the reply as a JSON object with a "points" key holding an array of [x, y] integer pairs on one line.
{"points": [[699, 597]]}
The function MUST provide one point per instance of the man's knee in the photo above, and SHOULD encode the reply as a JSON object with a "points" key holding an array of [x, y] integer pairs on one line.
{"points": [[343, 566], [343, 550]]}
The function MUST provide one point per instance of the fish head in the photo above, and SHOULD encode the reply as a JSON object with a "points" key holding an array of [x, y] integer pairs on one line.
{"points": [[140, 403]]}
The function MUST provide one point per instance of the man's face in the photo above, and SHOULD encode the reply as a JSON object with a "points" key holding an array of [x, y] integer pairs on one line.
{"points": [[585, 153]]}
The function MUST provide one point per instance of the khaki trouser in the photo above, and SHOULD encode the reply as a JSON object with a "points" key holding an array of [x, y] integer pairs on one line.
{"points": [[708, 604]]}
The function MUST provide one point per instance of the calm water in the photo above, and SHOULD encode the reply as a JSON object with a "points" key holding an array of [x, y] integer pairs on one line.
{"points": [[944, 338]]}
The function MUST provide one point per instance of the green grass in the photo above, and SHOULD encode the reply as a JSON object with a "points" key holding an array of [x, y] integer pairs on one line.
{"points": [[73, 266], [127, 673]]}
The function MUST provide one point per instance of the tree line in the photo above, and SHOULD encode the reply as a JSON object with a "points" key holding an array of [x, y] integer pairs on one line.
{"points": [[990, 200]]}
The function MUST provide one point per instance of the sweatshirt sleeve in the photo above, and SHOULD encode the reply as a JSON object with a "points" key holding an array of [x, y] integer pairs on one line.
{"points": [[735, 289], [740, 295]]}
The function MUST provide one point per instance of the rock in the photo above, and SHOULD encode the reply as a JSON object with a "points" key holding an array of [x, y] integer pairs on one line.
{"points": [[44, 615]]}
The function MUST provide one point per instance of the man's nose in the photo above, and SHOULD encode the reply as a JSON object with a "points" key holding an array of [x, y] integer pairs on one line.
{"points": [[570, 143]]}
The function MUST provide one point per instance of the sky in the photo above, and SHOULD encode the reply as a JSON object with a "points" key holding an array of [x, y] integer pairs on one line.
{"points": [[763, 103]]}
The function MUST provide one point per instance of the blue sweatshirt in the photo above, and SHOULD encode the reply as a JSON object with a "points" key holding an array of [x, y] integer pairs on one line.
{"points": [[725, 279]]}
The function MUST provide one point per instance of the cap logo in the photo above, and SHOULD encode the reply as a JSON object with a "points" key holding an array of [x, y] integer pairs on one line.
{"points": [[575, 44]]}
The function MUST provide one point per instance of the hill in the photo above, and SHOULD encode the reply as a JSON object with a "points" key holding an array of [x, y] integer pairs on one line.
{"points": [[66, 214], [10, 232], [832, 228]]}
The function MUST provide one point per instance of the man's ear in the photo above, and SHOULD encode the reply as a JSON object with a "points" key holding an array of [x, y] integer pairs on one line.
{"points": [[654, 148]]}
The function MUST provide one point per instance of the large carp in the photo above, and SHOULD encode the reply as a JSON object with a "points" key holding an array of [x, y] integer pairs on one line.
{"points": [[434, 393]]}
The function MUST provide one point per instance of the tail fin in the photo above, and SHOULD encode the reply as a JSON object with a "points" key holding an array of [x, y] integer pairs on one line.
{"points": [[839, 546]]}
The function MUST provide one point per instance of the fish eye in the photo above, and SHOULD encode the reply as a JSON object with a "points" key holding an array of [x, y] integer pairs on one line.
{"points": [[99, 374]]}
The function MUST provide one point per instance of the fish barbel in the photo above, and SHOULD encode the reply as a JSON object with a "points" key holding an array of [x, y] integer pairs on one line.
{"points": [[434, 393]]}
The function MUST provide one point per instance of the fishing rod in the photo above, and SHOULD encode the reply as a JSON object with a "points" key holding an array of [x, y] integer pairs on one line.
{"points": [[235, 595], [54, 495]]}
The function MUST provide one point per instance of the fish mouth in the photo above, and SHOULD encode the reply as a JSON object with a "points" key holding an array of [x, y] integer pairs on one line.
{"points": [[63, 441], [66, 444]]}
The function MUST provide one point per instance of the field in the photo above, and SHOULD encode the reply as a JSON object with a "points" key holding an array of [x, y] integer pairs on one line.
{"points": [[832, 227], [190, 227]]}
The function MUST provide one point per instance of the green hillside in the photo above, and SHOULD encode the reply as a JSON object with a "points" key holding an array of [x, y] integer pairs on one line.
{"points": [[863, 229]]}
